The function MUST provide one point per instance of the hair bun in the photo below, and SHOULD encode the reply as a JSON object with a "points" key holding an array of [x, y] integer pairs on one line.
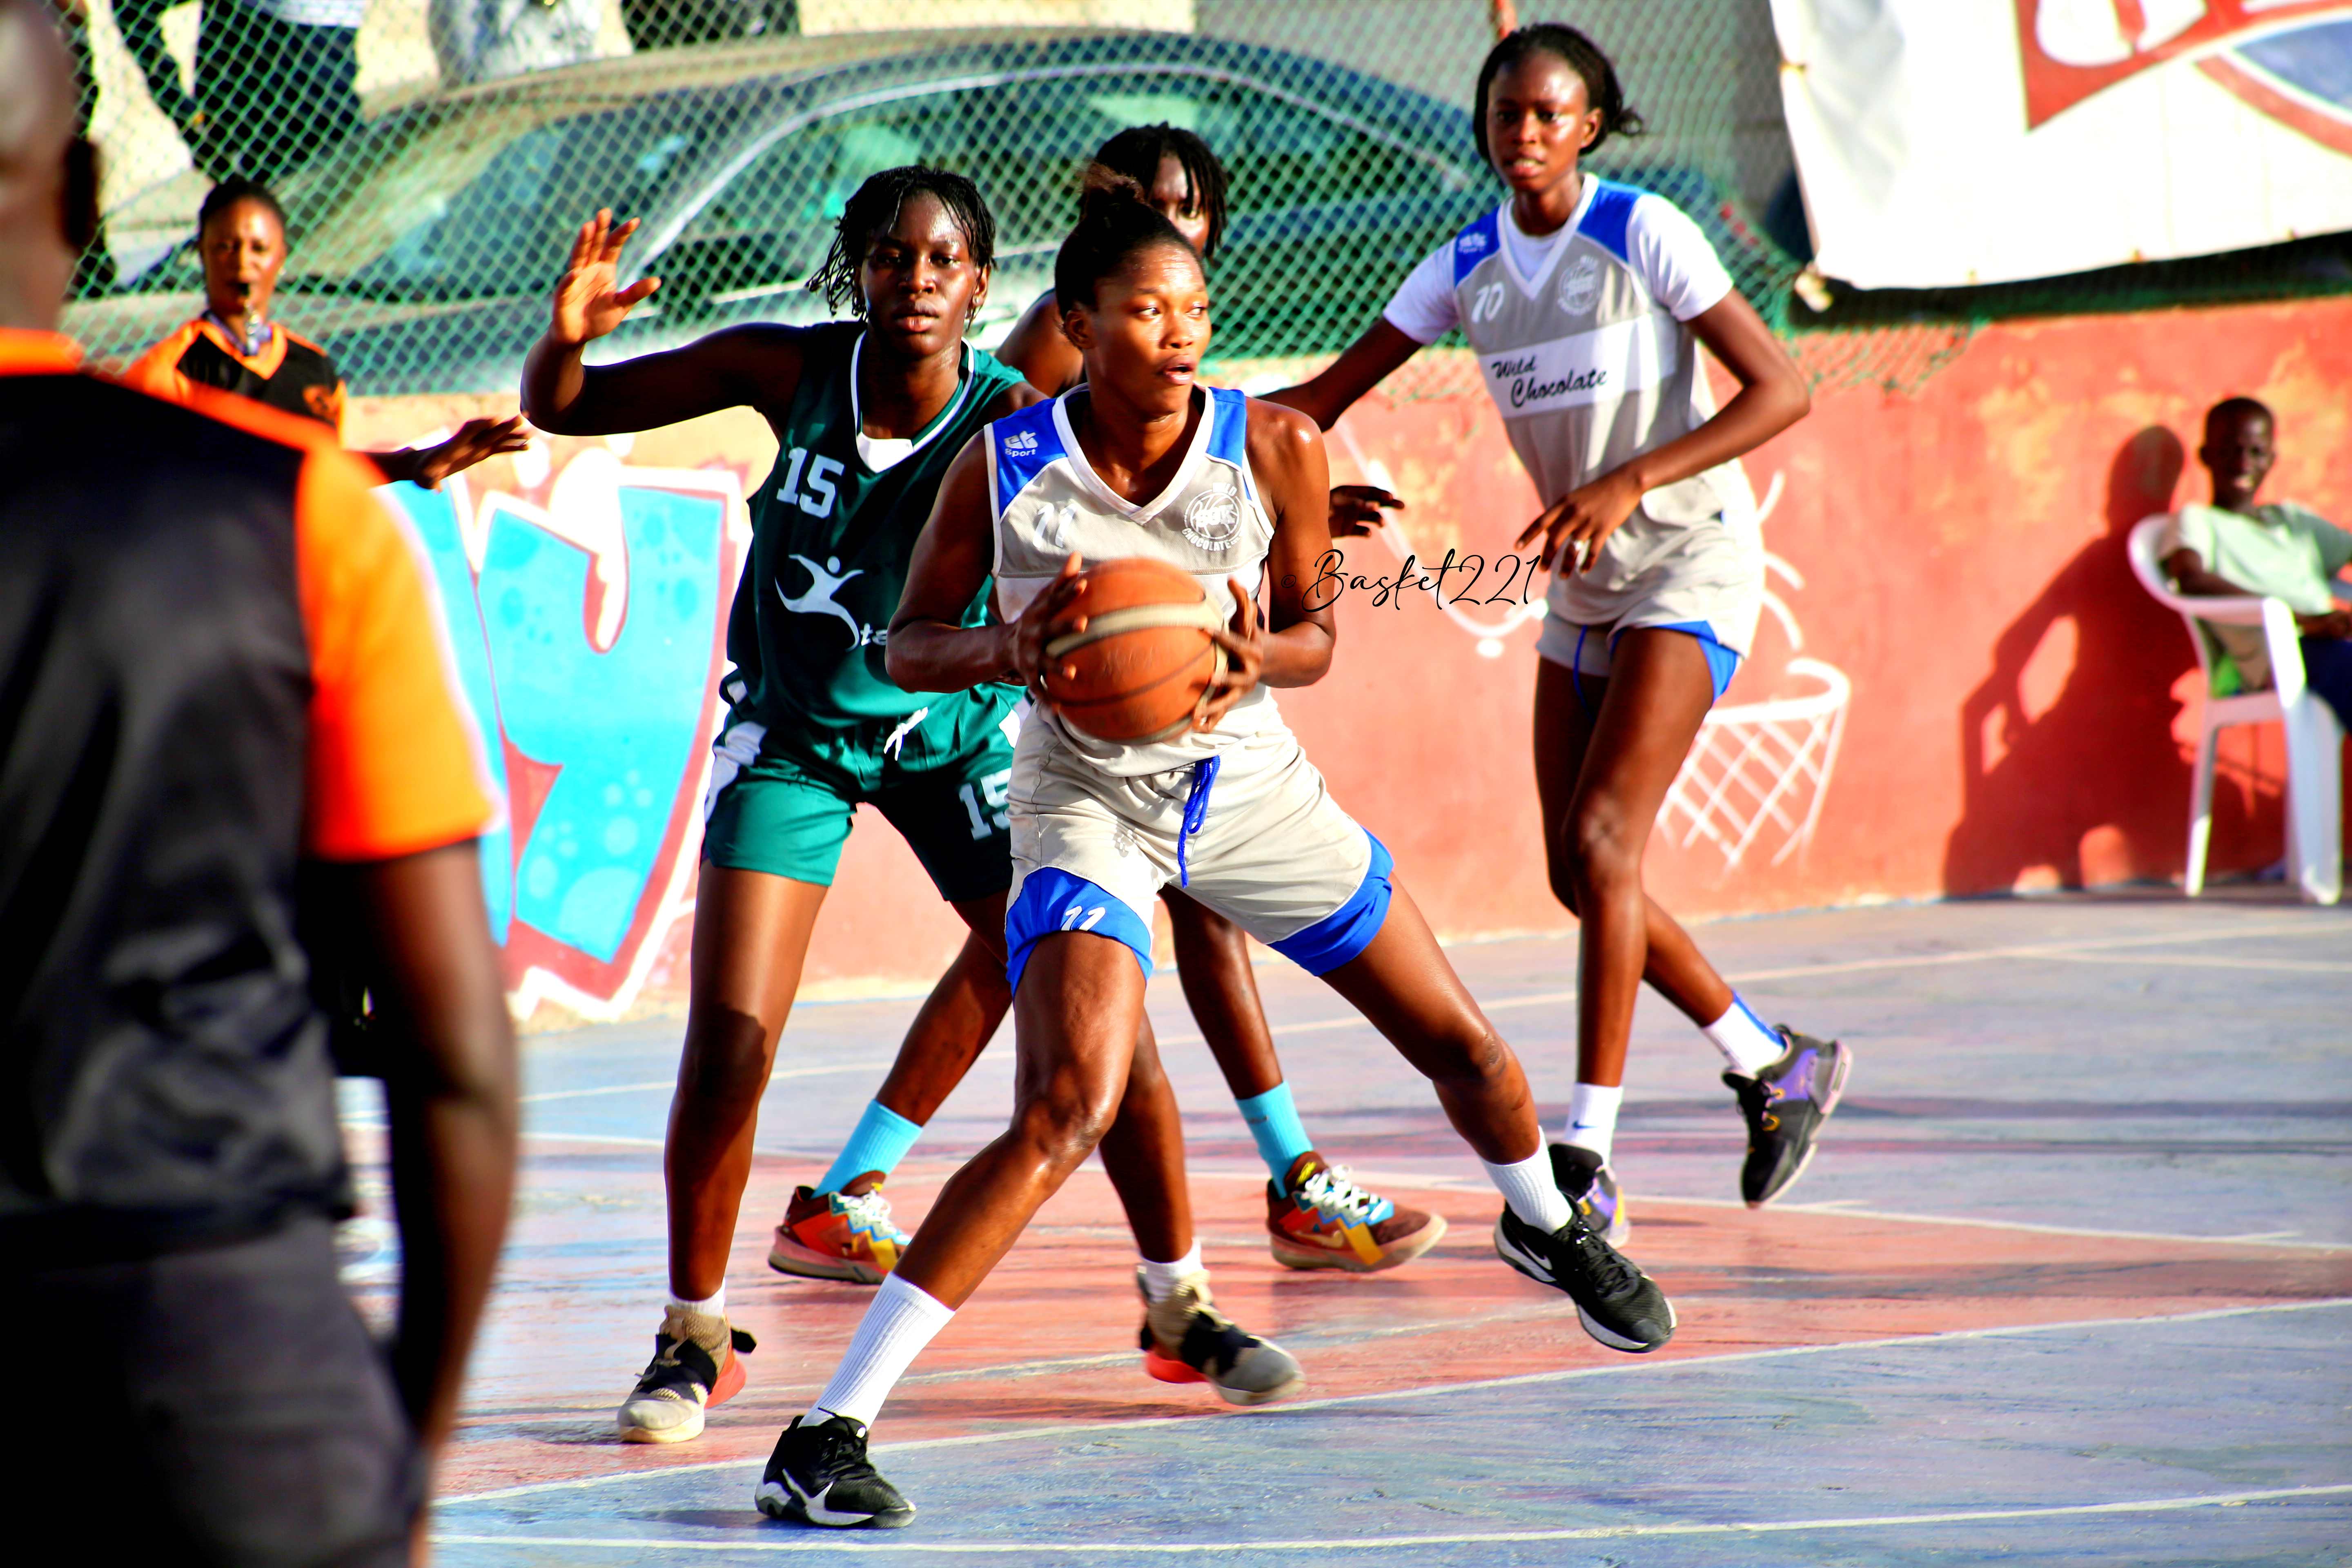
{"points": [[1103, 191]]}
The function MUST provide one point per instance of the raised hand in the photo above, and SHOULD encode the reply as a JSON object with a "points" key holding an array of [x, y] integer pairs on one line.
{"points": [[475, 440], [589, 301], [1356, 510]]}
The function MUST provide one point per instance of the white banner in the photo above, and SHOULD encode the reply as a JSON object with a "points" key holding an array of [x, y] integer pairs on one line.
{"points": [[1957, 142]]}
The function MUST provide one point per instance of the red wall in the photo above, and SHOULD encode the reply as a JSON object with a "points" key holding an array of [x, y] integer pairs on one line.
{"points": [[2021, 714]]}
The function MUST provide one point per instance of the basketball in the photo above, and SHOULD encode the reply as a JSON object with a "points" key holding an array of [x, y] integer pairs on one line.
{"points": [[1137, 672]]}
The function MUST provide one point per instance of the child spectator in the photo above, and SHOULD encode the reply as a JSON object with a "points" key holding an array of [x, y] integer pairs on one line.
{"points": [[2277, 550]]}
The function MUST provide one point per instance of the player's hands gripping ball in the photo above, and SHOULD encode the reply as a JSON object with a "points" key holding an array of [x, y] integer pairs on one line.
{"points": [[1244, 645]]}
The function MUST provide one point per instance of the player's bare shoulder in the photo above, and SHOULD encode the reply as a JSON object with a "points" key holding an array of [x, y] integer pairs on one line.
{"points": [[1285, 445]]}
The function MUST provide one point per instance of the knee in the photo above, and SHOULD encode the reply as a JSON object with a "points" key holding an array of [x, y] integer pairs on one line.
{"points": [[1602, 848], [1065, 1121], [1476, 1057], [726, 1057]]}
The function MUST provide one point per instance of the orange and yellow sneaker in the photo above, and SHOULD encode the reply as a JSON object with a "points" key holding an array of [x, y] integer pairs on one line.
{"points": [[1326, 1221], [846, 1235]]}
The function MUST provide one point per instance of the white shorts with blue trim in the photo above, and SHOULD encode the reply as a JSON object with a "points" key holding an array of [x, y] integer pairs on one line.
{"points": [[1251, 833], [1705, 578]]}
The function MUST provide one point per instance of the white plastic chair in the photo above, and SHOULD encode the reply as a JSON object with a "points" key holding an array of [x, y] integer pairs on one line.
{"points": [[2314, 741]]}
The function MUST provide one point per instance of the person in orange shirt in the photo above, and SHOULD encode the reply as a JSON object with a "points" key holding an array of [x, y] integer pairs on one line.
{"points": [[219, 659], [235, 346]]}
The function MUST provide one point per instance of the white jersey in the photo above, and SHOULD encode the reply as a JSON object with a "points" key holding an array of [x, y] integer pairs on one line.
{"points": [[1048, 501], [1590, 364]]}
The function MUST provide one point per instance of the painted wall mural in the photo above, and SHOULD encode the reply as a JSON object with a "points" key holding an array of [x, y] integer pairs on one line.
{"points": [[587, 619]]}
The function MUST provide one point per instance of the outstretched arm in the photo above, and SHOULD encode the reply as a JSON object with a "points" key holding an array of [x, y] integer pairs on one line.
{"points": [[475, 440], [751, 364], [1362, 366]]}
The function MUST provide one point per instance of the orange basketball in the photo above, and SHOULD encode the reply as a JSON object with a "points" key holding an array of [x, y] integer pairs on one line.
{"points": [[1138, 670]]}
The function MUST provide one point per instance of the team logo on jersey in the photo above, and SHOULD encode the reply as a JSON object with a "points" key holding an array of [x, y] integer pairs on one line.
{"points": [[1213, 520], [1579, 285], [1020, 443], [825, 582], [1474, 242]]}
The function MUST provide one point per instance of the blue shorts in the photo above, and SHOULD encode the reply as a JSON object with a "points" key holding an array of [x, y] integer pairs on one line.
{"points": [[1592, 650]]}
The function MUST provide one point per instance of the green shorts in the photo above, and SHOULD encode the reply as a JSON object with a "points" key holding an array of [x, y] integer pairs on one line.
{"points": [[781, 797]]}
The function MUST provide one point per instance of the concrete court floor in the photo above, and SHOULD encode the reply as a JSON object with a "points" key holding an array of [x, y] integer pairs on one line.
{"points": [[2070, 1282]]}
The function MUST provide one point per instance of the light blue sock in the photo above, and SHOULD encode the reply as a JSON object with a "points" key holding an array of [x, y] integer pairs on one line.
{"points": [[881, 1140], [1274, 1123]]}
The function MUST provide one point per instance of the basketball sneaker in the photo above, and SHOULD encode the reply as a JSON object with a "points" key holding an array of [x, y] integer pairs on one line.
{"points": [[1618, 1305], [846, 1235], [1186, 1339], [820, 1475], [1785, 1105], [697, 1362], [1329, 1222], [1585, 1176]]}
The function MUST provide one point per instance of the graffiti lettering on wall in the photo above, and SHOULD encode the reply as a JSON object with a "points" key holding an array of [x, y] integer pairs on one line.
{"points": [[587, 619]]}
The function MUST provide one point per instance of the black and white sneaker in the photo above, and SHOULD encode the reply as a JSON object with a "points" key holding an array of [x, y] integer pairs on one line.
{"points": [[1784, 1106], [1620, 1306], [819, 1475]]}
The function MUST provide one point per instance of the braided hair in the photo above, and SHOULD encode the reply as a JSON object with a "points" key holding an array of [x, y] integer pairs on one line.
{"points": [[234, 189], [875, 205], [1116, 224], [1138, 152], [1580, 54]]}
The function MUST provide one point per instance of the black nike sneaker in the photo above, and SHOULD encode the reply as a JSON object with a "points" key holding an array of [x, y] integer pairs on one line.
{"points": [[1620, 1306], [1785, 1105], [819, 1475]]}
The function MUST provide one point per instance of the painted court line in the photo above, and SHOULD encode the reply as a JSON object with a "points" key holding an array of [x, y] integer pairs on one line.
{"points": [[671, 1082], [1392, 1542], [2057, 950], [1064, 1429]]}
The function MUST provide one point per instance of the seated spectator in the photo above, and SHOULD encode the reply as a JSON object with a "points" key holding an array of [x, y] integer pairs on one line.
{"points": [[234, 346], [2277, 550]]}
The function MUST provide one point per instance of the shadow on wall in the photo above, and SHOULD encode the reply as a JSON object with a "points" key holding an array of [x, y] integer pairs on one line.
{"points": [[2085, 691]]}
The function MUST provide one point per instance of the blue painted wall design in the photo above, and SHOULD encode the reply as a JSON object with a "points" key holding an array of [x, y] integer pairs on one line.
{"points": [[599, 750]]}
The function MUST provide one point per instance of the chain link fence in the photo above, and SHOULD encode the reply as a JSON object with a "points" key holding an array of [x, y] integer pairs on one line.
{"points": [[434, 155]]}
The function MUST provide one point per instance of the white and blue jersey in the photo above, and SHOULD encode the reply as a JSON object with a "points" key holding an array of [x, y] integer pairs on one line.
{"points": [[1238, 816], [1583, 343]]}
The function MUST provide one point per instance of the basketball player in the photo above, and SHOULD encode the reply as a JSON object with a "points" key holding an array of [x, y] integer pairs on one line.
{"points": [[1317, 1215], [867, 414], [1657, 578], [234, 345], [1142, 461]]}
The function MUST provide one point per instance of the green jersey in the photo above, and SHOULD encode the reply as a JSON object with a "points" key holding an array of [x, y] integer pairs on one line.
{"points": [[831, 536]]}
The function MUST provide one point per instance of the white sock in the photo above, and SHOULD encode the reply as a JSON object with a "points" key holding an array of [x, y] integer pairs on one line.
{"points": [[716, 1306], [1592, 1117], [1529, 1189], [896, 1327], [1747, 1042], [1160, 1279]]}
